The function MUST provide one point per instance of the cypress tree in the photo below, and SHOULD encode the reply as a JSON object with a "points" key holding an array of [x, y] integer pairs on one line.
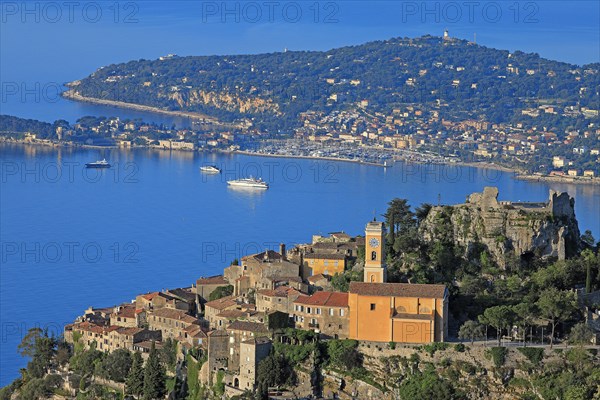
{"points": [[154, 376], [135, 379]]}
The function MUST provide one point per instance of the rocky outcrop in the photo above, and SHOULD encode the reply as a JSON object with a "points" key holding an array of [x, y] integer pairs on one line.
{"points": [[222, 100], [507, 229]]}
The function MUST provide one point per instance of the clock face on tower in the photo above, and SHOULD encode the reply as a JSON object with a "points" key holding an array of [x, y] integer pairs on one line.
{"points": [[374, 242]]}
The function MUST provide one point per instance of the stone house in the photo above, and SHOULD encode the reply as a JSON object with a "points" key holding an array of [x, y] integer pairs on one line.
{"points": [[326, 313], [171, 322], [279, 299], [240, 331]]}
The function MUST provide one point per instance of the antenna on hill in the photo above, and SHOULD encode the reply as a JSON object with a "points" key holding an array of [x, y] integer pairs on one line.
{"points": [[439, 199]]}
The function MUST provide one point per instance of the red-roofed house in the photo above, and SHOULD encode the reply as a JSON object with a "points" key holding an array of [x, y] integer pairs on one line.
{"points": [[326, 313], [279, 299]]}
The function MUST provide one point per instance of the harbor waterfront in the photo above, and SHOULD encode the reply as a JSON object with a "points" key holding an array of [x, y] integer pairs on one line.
{"points": [[68, 233]]}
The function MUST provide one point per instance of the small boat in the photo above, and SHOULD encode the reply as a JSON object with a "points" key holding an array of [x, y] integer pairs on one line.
{"points": [[98, 164], [212, 169], [249, 183]]}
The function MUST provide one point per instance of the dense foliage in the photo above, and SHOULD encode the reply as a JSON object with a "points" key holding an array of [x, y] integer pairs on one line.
{"points": [[283, 85]]}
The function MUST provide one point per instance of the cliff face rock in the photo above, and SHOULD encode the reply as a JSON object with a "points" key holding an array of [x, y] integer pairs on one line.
{"points": [[223, 100], [505, 228]]}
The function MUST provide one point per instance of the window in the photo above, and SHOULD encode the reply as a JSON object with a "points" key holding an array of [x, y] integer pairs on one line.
{"points": [[342, 312], [372, 306], [308, 310], [331, 312], [373, 255], [318, 311], [325, 262]]}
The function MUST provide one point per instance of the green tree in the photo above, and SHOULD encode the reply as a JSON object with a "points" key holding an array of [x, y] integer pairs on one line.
{"points": [[220, 292], [471, 330], [116, 365], [525, 313], [426, 385], [555, 306], [588, 239], [343, 354], [499, 317], [154, 376], [27, 347], [580, 334], [135, 379], [168, 353], [41, 348], [274, 370]]}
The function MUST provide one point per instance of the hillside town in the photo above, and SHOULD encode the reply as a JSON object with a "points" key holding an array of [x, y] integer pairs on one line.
{"points": [[264, 293], [410, 133]]}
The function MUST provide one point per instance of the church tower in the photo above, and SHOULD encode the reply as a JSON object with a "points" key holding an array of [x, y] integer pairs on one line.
{"points": [[375, 270]]}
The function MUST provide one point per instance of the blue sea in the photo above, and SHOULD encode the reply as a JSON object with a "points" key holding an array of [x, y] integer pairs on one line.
{"points": [[72, 238]]}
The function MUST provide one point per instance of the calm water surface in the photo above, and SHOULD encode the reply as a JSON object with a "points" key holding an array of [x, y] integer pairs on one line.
{"points": [[71, 240], [72, 237]]}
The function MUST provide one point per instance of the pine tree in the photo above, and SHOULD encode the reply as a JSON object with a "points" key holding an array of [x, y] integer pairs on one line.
{"points": [[135, 379], [154, 377]]}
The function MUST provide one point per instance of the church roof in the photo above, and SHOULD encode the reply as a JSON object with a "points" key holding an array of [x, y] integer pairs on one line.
{"points": [[398, 289]]}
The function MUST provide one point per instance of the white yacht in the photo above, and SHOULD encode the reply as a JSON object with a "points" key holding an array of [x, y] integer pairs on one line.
{"points": [[249, 183], [98, 164], [212, 169]]}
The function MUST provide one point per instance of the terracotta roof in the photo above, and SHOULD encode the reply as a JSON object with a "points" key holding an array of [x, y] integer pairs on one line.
{"points": [[217, 333], [126, 311], [89, 327], [329, 299], [271, 256], [129, 331], [325, 256], [231, 314], [398, 289], [174, 314], [147, 344], [340, 235], [222, 303], [184, 294], [195, 331], [247, 326], [280, 291], [212, 280], [150, 296]]}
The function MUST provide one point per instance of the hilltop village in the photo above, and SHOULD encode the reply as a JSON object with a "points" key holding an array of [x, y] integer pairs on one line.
{"points": [[269, 291], [222, 327]]}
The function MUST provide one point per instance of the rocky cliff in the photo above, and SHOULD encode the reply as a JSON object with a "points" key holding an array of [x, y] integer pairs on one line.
{"points": [[507, 229]]}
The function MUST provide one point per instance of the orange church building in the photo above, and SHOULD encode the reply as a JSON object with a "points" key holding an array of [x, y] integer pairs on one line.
{"points": [[398, 312], [394, 312]]}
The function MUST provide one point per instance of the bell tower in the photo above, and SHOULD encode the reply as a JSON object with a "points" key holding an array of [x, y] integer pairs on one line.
{"points": [[375, 270]]}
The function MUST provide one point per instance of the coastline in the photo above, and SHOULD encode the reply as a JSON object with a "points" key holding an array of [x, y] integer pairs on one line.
{"points": [[255, 154], [72, 95], [577, 180], [517, 175]]}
